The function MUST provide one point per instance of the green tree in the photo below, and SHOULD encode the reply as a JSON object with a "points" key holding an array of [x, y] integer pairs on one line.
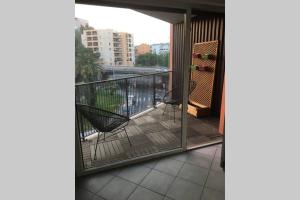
{"points": [[87, 67], [150, 59]]}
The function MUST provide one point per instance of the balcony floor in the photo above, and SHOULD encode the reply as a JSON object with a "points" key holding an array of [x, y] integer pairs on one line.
{"points": [[149, 133]]}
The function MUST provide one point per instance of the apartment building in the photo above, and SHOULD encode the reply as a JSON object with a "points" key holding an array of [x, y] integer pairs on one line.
{"points": [[161, 48], [115, 48], [142, 49], [123, 49]]}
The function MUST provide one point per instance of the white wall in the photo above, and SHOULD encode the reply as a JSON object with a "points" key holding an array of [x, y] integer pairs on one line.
{"points": [[106, 48]]}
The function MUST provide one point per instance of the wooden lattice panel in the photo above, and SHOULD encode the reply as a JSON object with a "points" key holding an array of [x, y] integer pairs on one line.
{"points": [[202, 94]]}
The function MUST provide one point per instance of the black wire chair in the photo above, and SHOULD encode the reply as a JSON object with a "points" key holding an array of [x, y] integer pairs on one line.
{"points": [[171, 99], [103, 121]]}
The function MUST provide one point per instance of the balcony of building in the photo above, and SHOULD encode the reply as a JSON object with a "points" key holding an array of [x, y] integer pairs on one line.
{"points": [[118, 49], [118, 54], [117, 40], [153, 126]]}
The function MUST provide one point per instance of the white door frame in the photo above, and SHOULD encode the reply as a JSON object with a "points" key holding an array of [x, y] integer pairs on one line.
{"points": [[186, 67]]}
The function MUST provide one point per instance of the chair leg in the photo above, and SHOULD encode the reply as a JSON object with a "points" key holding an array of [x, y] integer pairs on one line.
{"points": [[127, 137], [165, 109], [174, 112], [97, 145]]}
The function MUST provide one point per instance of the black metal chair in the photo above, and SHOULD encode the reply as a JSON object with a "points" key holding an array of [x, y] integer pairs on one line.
{"points": [[171, 99], [103, 121]]}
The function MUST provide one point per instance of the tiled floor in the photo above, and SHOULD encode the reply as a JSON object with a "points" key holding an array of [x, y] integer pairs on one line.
{"points": [[192, 175]]}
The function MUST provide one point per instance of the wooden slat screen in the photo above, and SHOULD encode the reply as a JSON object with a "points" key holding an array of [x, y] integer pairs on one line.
{"points": [[204, 28]]}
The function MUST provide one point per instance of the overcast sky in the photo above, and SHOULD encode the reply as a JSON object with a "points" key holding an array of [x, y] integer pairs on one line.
{"points": [[146, 29]]}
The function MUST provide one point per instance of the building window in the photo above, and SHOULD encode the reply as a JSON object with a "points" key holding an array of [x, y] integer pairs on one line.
{"points": [[95, 38], [94, 32], [88, 33], [95, 43], [96, 49], [90, 44]]}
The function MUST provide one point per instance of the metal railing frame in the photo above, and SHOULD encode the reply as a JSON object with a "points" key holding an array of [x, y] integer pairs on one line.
{"points": [[85, 129]]}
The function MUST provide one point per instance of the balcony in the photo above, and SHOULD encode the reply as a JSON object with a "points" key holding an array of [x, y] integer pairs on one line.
{"points": [[116, 40], [118, 59], [118, 55], [117, 49], [151, 128]]}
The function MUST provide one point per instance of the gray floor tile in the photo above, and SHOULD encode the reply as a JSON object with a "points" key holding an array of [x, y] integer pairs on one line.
{"points": [[198, 159], [218, 153], [169, 166], [216, 180], [134, 173], [216, 165], [180, 157], [82, 194], [96, 197], [116, 171], [182, 189], [144, 194], [200, 153], [95, 182], [150, 164], [194, 173], [117, 189], [157, 181], [207, 150], [209, 194]]}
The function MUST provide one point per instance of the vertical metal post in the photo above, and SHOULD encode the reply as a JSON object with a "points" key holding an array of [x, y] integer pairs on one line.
{"points": [[154, 92], [186, 66], [79, 165], [127, 106]]}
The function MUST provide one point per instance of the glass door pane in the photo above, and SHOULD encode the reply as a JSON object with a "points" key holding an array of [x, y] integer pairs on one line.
{"points": [[131, 108]]}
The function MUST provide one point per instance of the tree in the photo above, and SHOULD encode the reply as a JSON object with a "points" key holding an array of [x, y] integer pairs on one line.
{"points": [[87, 67], [150, 59]]}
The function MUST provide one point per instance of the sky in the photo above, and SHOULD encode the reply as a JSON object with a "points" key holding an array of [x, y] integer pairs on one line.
{"points": [[145, 29]]}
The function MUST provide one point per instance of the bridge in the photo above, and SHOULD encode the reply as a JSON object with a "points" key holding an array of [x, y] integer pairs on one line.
{"points": [[110, 72]]}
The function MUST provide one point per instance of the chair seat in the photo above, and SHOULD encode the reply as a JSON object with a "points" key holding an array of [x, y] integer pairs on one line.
{"points": [[103, 121]]}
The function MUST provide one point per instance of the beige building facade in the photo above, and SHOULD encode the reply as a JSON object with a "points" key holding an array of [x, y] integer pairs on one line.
{"points": [[115, 48]]}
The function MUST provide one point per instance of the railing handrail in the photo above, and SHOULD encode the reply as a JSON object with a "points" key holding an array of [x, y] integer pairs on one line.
{"points": [[109, 80]]}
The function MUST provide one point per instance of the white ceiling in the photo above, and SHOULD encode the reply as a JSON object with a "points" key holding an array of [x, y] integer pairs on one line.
{"points": [[172, 18], [168, 10], [201, 5]]}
